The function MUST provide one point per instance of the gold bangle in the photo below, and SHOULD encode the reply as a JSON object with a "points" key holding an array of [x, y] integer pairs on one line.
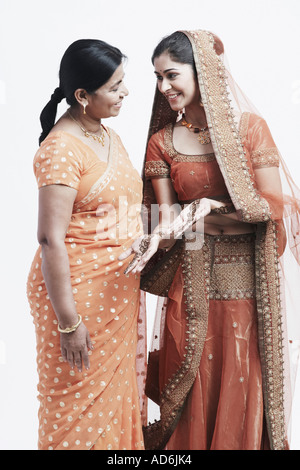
{"points": [[70, 329]]}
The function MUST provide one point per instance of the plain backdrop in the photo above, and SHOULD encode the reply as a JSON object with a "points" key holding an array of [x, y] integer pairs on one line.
{"points": [[262, 43]]}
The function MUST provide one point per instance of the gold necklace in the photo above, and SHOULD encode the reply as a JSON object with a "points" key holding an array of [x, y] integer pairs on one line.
{"points": [[203, 137], [99, 138]]}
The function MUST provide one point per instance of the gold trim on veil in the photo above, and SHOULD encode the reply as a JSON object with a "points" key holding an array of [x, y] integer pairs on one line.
{"points": [[252, 208]]}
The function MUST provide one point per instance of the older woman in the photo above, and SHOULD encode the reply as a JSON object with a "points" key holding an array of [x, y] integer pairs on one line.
{"points": [[84, 307]]}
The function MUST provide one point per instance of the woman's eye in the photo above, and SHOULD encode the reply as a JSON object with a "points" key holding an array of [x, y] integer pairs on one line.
{"points": [[171, 76], [117, 87]]}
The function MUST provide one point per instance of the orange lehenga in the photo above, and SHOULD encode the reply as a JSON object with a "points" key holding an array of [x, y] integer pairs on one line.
{"points": [[218, 366], [98, 409], [224, 408]]}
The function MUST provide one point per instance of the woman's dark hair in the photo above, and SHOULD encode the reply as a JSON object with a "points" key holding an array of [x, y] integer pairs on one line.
{"points": [[178, 46], [87, 64]]}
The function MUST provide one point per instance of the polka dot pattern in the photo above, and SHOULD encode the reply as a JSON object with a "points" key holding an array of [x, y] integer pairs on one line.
{"points": [[58, 162], [98, 408]]}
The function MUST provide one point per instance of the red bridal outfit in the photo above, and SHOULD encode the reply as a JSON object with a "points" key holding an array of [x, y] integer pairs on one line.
{"points": [[225, 339]]}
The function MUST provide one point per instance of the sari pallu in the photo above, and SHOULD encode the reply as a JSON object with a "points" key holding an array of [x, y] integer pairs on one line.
{"points": [[98, 409], [276, 218]]}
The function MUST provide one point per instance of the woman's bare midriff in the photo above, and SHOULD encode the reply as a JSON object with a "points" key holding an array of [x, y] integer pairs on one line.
{"points": [[232, 229]]}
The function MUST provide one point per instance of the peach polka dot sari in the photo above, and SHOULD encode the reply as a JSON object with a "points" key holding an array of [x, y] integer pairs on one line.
{"points": [[98, 409]]}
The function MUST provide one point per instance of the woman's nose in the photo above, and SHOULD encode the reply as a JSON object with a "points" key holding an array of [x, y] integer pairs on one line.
{"points": [[164, 85], [124, 91]]}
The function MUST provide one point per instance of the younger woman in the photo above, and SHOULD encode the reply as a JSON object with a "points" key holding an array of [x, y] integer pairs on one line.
{"points": [[218, 367]]}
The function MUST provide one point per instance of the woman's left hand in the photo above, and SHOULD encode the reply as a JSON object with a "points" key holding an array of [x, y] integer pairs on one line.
{"points": [[143, 248]]}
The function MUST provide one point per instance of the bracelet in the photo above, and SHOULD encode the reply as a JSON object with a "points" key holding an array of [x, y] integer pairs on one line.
{"points": [[71, 328]]}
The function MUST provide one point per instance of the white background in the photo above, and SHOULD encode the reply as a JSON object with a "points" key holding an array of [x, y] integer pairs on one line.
{"points": [[262, 42]]}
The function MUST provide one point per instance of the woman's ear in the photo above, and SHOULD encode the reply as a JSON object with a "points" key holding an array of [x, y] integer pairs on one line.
{"points": [[81, 96]]}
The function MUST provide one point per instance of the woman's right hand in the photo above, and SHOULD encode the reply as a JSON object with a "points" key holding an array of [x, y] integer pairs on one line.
{"points": [[75, 346], [144, 248]]}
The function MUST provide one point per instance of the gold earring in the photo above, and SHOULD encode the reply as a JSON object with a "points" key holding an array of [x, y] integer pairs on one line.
{"points": [[84, 106]]}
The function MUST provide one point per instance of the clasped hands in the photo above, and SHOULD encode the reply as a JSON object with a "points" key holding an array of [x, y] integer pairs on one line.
{"points": [[146, 246]]}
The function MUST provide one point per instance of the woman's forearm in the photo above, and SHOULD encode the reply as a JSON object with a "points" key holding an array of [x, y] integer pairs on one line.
{"points": [[56, 272]]}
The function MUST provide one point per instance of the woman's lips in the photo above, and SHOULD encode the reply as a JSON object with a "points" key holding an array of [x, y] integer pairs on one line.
{"points": [[172, 96]]}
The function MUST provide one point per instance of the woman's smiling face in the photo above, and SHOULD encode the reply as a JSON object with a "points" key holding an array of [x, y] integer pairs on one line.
{"points": [[107, 100], [177, 82]]}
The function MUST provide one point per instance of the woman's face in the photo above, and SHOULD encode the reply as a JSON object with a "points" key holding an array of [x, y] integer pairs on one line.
{"points": [[177, 82], [107, 100]]}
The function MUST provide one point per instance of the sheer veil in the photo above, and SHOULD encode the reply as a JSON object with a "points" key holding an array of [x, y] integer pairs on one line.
{"points": [[289, 261], [225, 104]]}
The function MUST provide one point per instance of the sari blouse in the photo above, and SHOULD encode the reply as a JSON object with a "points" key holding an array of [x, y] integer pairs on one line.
{"points": [[199, 176]]}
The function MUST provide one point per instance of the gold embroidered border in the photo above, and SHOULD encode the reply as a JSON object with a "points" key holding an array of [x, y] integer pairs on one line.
{"points": [[233, 272], [104, 179], [179, 157], [158, 279], [196, 292], [260, 158], [270, 332], [225, 136], [265, 158], [195, 158], [168, 142], [157, 169], [233, 164], [244, 124]]}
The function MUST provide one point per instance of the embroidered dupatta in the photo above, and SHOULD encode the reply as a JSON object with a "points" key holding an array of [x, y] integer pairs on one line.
{"points": [[278, 332]]}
